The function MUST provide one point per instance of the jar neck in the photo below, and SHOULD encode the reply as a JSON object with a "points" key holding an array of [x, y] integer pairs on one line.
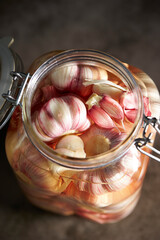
{"points": [[94, 58]]}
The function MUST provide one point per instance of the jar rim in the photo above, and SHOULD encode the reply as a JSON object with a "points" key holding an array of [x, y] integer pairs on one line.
{"points": [[92, 162]]}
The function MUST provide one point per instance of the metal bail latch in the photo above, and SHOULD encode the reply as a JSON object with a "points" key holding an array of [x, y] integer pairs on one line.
{"points": [[13, 96], [145, 140]]}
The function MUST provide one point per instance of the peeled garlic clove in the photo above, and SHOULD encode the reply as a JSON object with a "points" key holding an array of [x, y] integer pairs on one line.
{"points": [[63, 76], [99, 144], [128, 101], [104, 139], [100, 117], [72, 146], [112, 107]]}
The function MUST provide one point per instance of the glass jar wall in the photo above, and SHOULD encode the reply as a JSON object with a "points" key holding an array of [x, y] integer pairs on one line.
{"points": [[86, 164]]}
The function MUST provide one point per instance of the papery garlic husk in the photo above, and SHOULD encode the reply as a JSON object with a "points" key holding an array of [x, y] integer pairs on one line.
{"points": [[89, 74], [93, 100], [104, 139], [72, 146], [103, 88], [60, 116]]}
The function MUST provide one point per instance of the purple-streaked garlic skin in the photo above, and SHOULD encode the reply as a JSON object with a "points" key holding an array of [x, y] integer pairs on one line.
{"points": [[43, 95], [60, 116], [112, 107], [129, 105], [131, 114], [37, 171], [112, 178], [90, 73], [63, 77], [100, 117]]}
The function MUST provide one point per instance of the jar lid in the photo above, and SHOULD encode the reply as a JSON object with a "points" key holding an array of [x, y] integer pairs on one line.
{"points": [[9, 63]]}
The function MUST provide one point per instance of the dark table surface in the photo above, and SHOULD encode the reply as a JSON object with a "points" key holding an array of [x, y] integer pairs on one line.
{"points": [[128, 31]]}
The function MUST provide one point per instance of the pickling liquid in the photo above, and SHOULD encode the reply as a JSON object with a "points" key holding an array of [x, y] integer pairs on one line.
{"points": [[79, 111]]}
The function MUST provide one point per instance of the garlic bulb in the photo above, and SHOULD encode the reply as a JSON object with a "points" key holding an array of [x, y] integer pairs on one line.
{"points": [[59, 116]]}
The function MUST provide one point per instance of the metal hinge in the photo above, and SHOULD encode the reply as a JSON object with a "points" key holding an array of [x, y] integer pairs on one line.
{"points": [[145, 140], [13, 96]]}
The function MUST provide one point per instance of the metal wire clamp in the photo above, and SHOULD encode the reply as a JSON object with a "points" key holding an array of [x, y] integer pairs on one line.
{"points": [[145, 140], [13, 96]]}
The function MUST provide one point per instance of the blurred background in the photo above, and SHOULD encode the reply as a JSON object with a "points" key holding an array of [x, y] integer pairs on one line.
{"points": [[128, 30]]}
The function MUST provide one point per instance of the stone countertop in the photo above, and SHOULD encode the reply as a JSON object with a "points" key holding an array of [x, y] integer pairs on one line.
{"points": [[128, 31]]}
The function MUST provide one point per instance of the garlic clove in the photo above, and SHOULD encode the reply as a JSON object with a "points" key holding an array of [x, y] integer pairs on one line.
{"points": [[128, 101], [146, 106], [131, 162], [112, 107], [63, 76], [99, 144], [100, 117], [72, 146], [104, 139], [90, 73], [114, 177], [131, 114]]}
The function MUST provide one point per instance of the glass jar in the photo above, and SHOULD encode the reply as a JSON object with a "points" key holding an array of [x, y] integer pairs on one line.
{"points": [[104, 187]]}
